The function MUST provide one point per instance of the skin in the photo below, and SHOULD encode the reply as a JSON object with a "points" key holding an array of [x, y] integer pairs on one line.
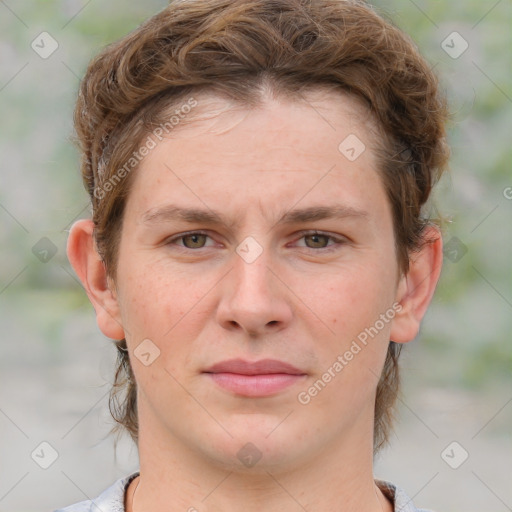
{"points": [[303, 301]]}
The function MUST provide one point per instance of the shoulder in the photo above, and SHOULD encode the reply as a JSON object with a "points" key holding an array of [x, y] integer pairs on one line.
{"points": [[402, 502], [110, 500]]}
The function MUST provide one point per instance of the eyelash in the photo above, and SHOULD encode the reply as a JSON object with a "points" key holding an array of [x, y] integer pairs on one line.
{"points": [[337, 241]]}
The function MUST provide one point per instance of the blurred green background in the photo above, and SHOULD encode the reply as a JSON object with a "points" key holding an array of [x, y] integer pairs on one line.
{"points": [[55, 366]]}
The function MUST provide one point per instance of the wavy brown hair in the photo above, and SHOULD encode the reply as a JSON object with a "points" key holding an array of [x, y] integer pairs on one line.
{"points": [[237, 49]]}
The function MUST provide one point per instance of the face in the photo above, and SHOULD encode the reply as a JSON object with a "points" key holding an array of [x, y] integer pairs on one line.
{"points": [[255, 236]]}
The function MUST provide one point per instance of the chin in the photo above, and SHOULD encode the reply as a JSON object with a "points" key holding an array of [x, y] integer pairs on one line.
{"points": [[256, 447]]}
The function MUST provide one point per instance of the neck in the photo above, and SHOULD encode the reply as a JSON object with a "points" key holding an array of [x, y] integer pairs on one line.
{"points": [[174, 479]]}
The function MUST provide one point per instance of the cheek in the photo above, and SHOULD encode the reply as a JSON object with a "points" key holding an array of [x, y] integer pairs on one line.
{"points": [[349, 298], [350, 303], [157, 303], [351, 357], [164, 308]]}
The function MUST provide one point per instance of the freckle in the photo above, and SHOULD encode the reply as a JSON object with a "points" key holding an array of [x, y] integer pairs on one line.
{"points": [[334, 320]]}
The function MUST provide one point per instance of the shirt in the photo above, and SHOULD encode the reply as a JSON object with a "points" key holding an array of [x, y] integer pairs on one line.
{"points": [[112, 499]]}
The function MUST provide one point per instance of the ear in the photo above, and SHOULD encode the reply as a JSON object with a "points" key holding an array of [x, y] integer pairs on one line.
{"points": [[91, 271], [416, 288]]}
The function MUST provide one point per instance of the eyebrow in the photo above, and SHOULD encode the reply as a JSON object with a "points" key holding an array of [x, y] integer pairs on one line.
{"points": [[321, 212], [301, 215]]}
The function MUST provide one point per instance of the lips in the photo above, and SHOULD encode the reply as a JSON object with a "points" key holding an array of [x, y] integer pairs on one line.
{"points": [[262, 367], [254, 379]]}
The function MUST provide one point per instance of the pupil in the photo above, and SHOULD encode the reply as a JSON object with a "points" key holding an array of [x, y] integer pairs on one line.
{"points": [[195, 241], [317, 239]]}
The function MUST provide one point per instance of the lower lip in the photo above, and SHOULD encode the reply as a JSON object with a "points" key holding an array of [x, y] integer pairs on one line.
{"points": [[255, 385]]}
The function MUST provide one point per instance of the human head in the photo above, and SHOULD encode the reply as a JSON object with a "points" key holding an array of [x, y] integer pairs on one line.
{"points": [[238, 50]]}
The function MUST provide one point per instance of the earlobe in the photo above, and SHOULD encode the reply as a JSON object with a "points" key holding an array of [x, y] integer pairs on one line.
{"points": [[91, 271], [416, 288]]}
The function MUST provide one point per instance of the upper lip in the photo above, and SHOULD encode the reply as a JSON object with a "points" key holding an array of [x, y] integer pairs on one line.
{"points": [[261, 367]]}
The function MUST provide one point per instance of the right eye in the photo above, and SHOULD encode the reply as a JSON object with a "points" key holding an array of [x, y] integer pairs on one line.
{"points": [[191, 240]]}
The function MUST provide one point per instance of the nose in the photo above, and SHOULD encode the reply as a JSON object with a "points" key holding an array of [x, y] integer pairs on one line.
{"points": [[254, 300]]}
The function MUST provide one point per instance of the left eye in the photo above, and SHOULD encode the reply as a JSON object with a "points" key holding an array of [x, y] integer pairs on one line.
{"points": [[317, 240]]}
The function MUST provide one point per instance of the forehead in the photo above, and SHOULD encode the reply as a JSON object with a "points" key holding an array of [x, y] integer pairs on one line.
{"points": [[320, 114], [313, 150]]}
